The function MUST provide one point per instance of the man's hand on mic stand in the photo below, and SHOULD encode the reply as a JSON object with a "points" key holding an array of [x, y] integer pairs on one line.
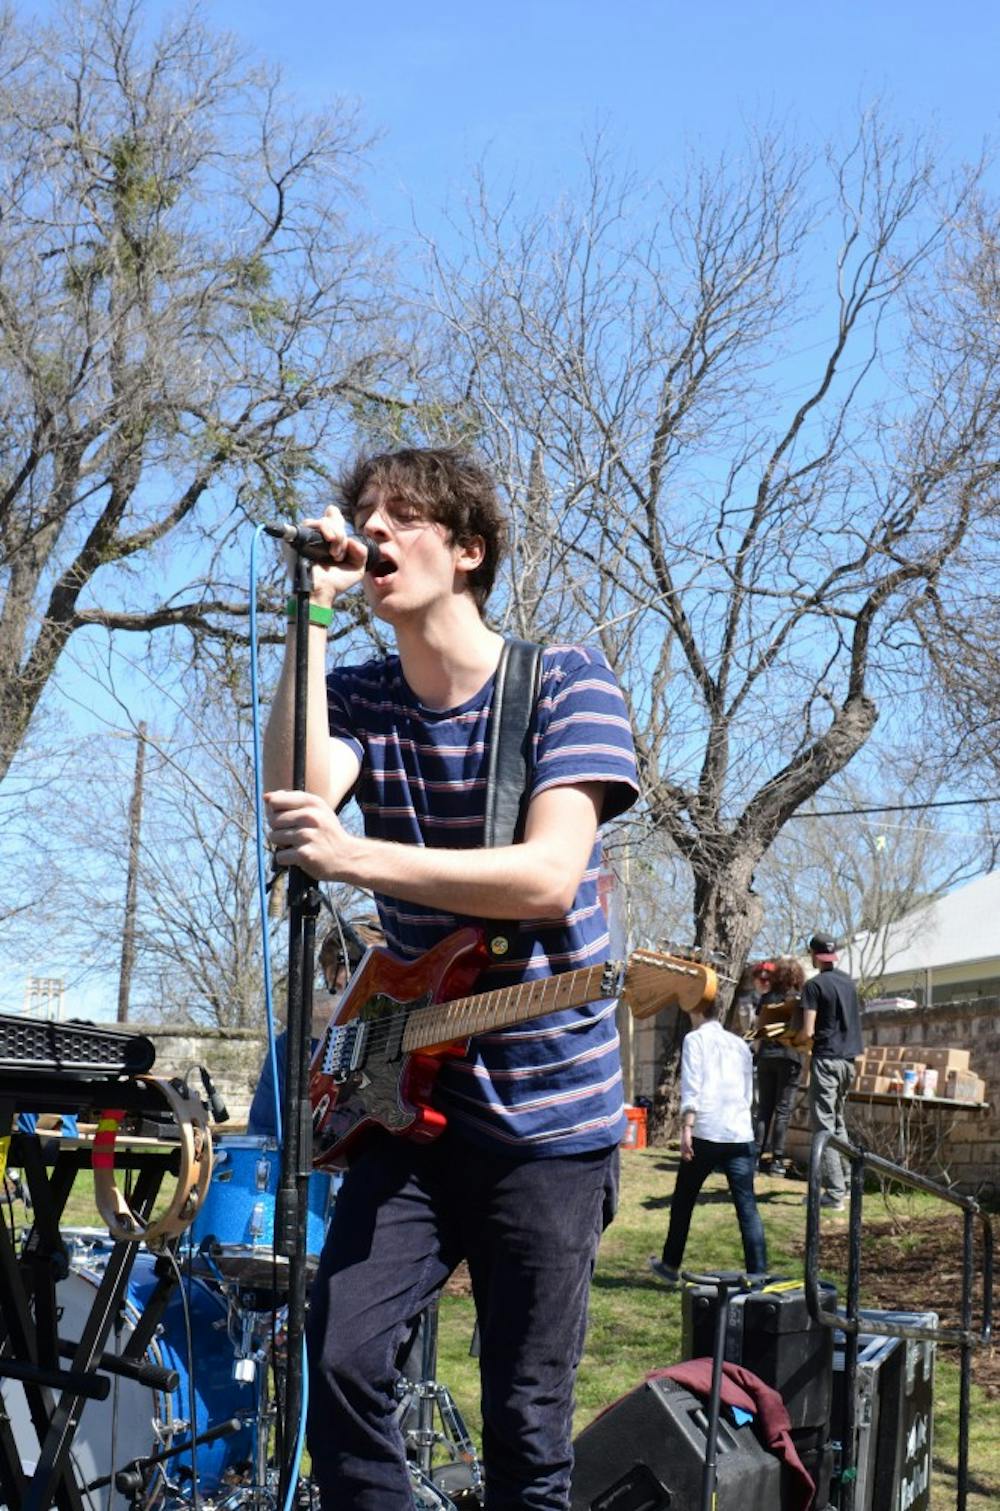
{"points": [[305, 832]]}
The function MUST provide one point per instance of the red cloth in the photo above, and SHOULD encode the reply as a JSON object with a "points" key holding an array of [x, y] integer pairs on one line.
{"points": [[771, 1424]]}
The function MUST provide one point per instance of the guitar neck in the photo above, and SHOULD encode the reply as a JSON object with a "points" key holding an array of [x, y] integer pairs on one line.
{"points": [[447, 1022]]}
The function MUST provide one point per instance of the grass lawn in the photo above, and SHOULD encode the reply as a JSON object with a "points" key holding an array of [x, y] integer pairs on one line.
{"points": [[635, 1324]]}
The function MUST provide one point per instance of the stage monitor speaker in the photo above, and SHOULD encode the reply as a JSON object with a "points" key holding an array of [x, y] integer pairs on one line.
{"points": [[647, 1452]]}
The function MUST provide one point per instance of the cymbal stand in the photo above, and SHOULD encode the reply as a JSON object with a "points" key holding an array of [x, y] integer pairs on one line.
{"points": [[253, 1366]]}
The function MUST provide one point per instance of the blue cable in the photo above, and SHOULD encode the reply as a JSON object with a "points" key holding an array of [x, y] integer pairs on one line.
{"points": [[266, 945], [258, 802]]}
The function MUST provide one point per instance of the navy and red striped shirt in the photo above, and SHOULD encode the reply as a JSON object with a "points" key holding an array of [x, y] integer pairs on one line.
{"points": [[553, 1085]]}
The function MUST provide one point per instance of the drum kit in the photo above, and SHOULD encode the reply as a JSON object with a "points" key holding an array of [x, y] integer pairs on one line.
{"points": [[205, 1437]]}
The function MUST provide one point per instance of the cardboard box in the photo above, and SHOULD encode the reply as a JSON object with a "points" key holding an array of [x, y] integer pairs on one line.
{"points": [[880, 1085], [940, 1060], [963, 1086], [943, 1060]]}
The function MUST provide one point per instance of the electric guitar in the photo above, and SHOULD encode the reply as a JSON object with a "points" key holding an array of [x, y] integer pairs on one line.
{"points": [[376, 1064]]}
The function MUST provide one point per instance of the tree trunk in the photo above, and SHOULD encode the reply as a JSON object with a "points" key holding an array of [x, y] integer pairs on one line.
{"points": [[727, 917]]}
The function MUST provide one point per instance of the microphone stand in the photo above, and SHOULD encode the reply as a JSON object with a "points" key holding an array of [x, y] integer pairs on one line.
{"points": [[291, 1209]]}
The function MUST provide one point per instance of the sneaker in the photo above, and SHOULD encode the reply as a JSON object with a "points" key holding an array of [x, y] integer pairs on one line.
{"points": [[830, 1203], [778, 1167], [663, 1272]]}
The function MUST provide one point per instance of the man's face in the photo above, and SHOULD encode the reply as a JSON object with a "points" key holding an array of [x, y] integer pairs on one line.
{"points": [[420, 549]]}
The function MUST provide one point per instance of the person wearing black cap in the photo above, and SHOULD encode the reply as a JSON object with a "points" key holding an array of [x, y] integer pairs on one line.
{"points": [[831, 1018]]}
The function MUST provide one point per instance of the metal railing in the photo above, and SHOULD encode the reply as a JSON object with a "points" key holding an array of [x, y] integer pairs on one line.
{"points": [[853, 1321]]}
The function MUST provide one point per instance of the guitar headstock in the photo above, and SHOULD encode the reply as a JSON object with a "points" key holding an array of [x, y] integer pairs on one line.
{"points": [[654, 981]]}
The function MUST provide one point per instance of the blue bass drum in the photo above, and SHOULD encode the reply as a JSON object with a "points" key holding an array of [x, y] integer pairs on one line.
{"points": [[234, 1226], [135, 1420]]}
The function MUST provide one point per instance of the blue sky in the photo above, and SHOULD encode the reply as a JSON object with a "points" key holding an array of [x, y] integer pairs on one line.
{"points": [[524, 84], [448, 82]]}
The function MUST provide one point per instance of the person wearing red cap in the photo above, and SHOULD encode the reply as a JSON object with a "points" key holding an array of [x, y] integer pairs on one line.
{"points": [[831, 1018], [779, 1066]]}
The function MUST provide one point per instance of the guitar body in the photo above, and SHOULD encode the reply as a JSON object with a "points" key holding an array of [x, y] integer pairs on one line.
{"points": [[390, 1089]]}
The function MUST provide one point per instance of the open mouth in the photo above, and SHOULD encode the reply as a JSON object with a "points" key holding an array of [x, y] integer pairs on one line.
{"points": [[377, 564]]}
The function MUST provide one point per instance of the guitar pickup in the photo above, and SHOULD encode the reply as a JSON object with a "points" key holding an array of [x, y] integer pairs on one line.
{"points": [[345, 1050]]}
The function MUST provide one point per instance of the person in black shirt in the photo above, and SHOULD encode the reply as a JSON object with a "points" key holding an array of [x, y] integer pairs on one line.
{"points": [[831, 1018]]}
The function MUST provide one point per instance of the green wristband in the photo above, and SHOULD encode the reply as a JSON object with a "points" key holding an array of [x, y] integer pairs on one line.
{"points": [[317, 613]]}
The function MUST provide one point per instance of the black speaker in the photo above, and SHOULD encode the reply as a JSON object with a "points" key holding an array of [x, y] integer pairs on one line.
{"points": [[647, 1453], [771, 1333]]}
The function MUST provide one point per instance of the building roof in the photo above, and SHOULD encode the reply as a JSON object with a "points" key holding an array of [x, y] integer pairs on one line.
{"points": [[958, 928]]}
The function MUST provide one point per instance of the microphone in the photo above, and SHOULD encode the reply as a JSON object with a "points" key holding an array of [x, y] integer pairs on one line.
{"points": [[218, 1106], [310, 543]]}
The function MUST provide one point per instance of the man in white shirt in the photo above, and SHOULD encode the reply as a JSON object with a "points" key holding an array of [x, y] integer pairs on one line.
{"points": [[716, 1134]]}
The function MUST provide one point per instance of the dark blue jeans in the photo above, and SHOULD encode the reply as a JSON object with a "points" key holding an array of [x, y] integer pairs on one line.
{"points": [[405, 1216], [738, 1162]]}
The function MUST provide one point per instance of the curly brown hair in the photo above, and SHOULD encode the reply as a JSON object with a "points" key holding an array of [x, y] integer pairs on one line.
{"points": [[789, 977], [448, 485]]}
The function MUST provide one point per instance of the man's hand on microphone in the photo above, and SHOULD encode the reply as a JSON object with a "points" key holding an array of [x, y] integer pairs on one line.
{"points": [[347, 560]]}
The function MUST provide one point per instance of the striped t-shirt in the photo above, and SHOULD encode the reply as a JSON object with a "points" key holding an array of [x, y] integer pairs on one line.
{"points": [[552, 1085]]}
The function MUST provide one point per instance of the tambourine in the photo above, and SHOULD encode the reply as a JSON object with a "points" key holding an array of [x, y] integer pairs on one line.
{"points": [[124, 1223]]}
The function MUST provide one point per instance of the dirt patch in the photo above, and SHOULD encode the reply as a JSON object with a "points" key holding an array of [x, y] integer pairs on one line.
{"points": [[459, 1283], [915, 1265]]}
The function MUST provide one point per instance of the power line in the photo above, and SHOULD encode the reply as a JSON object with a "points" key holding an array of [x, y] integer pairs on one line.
{"points": [[948, 802]]}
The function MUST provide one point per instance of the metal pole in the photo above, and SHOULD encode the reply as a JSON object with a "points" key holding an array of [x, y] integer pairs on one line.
{"points": [[132, 879], [710, 1470], [292, 1204]]}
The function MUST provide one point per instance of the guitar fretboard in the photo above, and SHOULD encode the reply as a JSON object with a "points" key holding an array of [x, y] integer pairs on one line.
{"points": [[445, 1022]]}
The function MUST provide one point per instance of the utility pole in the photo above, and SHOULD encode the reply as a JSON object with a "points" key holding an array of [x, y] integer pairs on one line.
{"points": [[132, 880]]}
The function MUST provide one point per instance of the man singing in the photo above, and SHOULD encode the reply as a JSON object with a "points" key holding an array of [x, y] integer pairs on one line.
{"points": [[524, 1177]]}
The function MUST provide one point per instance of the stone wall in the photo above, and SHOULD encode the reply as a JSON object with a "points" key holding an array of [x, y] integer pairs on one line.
{"points": [[959, 1144], [232, 1058]]}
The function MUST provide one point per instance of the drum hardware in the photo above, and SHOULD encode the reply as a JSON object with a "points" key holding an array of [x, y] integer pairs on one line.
{"points": [[40, 1446], [133, 1480], [459, 1481]]}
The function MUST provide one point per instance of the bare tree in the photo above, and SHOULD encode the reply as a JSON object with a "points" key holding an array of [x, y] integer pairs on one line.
{"points": [[186, 318], [746, 420], [198, 935], [198, 948], [959, 637], [857, 871]]}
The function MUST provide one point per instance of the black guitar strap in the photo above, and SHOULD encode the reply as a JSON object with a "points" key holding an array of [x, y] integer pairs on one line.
{"points": [[509, 762], [508, 768]]}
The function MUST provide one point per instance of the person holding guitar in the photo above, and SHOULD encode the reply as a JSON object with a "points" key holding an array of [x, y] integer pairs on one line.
{"points": [[523, 1176], [779, 1063]]}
